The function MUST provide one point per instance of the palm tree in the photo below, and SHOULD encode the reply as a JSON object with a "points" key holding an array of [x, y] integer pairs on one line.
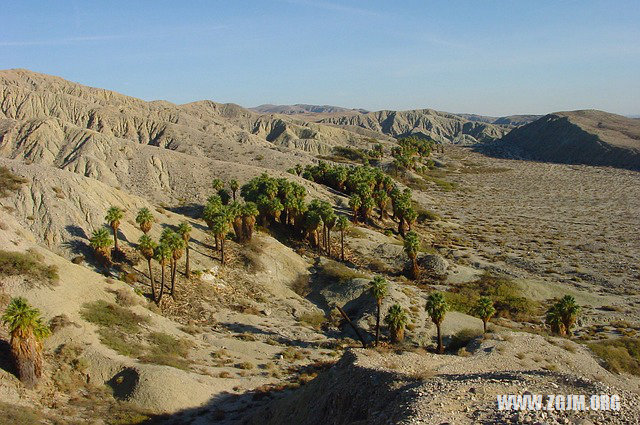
{"points": [[382, 199], [113, 217], [437, 307], [184, 230], [27, 332], [341, 225], [175, 243], [329, 222], [249, 213], [101, 242], [233, 185], [219, 229], [144, 219], [367, 206], [147, 248], [162, 254], [396, 319], [217, 184], [379, 289], [568, 310], [484, 310], [355, 202], [411, 246], [553, 319]]}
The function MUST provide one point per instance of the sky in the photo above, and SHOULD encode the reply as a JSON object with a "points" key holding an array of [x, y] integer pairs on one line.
{"points": [[488, 57]]}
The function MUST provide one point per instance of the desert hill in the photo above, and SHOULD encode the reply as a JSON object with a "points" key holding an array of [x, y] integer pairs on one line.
{"points": [[577, 137]]}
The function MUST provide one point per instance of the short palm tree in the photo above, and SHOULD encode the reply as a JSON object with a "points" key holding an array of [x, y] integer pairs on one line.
{"points": [[342, 224], [162, 255], [553, 319], [379, 288], [396, 319], [568, 310], [233, 185], [27, 332], [437, 308], [101, 243], [184, 230], [113, 217], [411, 247], [249, 214], [144, 220], [355, 202], [484, 310], [217, 184], [147, 247]]}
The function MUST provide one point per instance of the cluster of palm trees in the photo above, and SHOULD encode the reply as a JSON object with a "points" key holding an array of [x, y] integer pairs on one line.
{"points": [[562, 315], [436, 307]]}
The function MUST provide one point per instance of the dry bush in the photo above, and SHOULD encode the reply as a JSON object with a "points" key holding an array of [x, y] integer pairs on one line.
{"points": [[315, 320], [30, 264], [126, 298], [336, 271], [9, 182], [619, 355]]}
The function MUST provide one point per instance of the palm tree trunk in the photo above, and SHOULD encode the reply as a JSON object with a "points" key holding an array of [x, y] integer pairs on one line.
{"points": [[174, 265], [222, 251], [328, 242], [115, 238], [153, 285], [484, 326], [216, 239], [28, 359], [414, 267], [342, 245], [378, 323], [440, 347], [162, 264], [187, 267]]}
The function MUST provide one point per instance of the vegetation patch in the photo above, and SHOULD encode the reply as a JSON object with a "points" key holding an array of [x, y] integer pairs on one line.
{"points": [[333, 270], [109, 315], [12, 414], [462, 338], [619, 355], [315, 320], [505, 294], [167, 350], [29, 265], [9, 182]]}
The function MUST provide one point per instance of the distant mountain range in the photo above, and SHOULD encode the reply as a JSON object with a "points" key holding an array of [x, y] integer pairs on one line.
{"points": [[301, 108]]}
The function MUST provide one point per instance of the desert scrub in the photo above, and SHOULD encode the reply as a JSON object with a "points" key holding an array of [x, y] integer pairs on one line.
{"points": [[29, 265], [619, 354], [244, 365], [315, 320], [505, 294], [9, 182], [292, 354], [118, 326], [12, 414], [462, 338], [336, 271], [167, 350]]}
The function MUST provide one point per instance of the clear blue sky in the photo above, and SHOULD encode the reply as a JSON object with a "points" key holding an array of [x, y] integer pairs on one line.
{"points": [[488, 57]]}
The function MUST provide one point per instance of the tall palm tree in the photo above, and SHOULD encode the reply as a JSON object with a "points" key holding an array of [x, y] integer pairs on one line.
{"points": [[184, 230], [113, 217], [329, 222], [144, 220], [147, 248], [249, 214], [553, 319], [568, 310], [437, 308], [162, 255], [233, 185], [382, 199], [484, 310], [396, 319], [175, 243], [378, 288], [411, 247], [367, 206], [219, 229], [342, 225], [27, 332], [101, 243]]}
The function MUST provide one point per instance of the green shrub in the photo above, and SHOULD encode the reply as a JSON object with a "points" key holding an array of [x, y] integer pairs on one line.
{"points": [[13, 414], [462, 338], [337, 271], [9, 182], [29, 264], [167, 350], [120, 342], [315, 320], [109, 315], [619, 355]]}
